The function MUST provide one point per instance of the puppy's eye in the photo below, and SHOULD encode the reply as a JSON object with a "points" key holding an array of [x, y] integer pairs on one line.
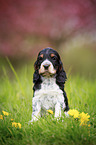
{"points": [[40, 58], [53, 57]]}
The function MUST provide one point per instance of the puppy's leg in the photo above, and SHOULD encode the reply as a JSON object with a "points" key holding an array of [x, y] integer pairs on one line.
{"points": [[57, 110], [36, 110], [66, 114]]}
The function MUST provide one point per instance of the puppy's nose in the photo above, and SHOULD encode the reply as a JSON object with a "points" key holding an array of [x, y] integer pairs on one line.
{"points": [[46, 66]]}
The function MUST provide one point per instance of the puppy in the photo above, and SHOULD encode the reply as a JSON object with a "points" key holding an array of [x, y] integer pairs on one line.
{"points": [[49, 79]]}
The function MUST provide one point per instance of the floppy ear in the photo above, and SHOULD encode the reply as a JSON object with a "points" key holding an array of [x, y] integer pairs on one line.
{"points": [[36, 75], [61, 76]]}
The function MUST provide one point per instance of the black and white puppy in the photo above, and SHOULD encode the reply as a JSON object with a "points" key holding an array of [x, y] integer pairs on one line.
{"points": [[49, 79]]}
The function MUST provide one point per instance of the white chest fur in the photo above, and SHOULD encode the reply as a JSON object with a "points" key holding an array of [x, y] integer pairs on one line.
{"points": [[49, 95]]}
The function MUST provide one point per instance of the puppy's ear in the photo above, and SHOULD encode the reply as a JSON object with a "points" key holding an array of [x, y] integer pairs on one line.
{"points": [[61, 75], [36, 75]]}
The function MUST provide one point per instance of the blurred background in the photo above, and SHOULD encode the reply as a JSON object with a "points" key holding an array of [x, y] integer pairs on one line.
{"points": [[68, 26]]}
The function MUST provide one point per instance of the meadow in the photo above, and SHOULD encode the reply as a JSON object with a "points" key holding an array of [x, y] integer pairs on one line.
{"points": [[16, 100]]}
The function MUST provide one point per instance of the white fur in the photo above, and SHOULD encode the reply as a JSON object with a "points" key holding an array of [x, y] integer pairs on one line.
{"points": [[50, 96]]}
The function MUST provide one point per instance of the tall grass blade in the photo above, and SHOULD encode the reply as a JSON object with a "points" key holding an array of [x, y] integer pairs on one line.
{"points": [[13, 70]]}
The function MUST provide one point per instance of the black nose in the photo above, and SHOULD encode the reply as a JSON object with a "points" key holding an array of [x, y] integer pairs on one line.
{"points": [[46, 66]]}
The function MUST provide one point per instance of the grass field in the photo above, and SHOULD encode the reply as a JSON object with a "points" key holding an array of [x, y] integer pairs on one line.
{"points": [[16, 99]]}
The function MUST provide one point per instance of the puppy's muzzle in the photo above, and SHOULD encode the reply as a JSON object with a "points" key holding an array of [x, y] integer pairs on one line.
{"points": [[46, 66]]}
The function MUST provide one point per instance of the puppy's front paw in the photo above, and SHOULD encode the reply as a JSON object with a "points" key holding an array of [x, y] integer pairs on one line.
{"points": [[33, 120], [66, 114]]}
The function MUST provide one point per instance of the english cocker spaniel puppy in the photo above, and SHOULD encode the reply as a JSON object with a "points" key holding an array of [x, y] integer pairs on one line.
{"points": [[49, 79]]}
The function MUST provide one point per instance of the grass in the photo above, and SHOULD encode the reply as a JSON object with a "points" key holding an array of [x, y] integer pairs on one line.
{"points": [[16, 98]]}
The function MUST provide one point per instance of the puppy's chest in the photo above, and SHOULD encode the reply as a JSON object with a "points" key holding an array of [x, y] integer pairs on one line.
{"points": [[49, 94]]}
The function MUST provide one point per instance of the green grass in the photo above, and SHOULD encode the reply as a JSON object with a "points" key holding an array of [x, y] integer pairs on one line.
{"points": [[16, 98]]}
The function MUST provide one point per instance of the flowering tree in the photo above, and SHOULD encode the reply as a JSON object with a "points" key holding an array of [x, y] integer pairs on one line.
{"points": [[23, 23]]}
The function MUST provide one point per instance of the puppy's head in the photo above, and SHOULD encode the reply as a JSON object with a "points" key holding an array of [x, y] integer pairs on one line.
{"points": [[48, 63]]}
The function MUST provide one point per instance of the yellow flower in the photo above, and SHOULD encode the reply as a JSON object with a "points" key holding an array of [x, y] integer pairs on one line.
{"points": [[50, 111], [73, 113], [14, 124], [5, 113], [1, 117], [89, 125], [12, 119], [83, 124], [84, 118], [19, 125]]}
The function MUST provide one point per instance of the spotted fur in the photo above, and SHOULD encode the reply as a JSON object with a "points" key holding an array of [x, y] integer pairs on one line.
{"points": [[49, 85]]}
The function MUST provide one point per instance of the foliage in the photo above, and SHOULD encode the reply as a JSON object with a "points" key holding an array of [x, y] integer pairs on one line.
{"points": [[48, 130], [28, 25]]}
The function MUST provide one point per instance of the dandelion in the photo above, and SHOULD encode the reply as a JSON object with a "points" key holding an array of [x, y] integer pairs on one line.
{"points": [[73, 113], [50, 111], [12, 119], [19, 125], [5, 113], [14, 124], [1, 117], [89, 125], [84, 118]]}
